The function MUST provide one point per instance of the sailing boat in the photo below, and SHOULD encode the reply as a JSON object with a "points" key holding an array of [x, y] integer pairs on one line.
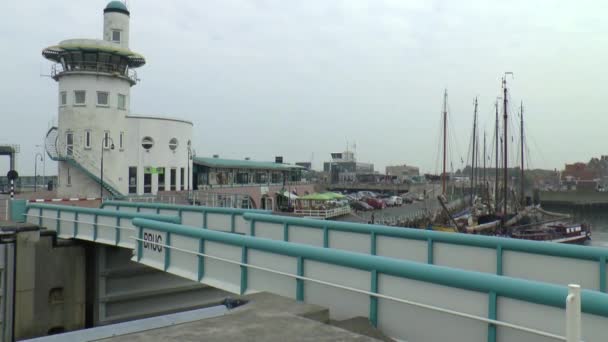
{"points": [[545, 226], [467, 219]]}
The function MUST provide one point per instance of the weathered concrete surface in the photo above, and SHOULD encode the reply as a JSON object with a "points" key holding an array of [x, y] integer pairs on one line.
{"points": [[49, 288], [362, 326], [266, 317]]}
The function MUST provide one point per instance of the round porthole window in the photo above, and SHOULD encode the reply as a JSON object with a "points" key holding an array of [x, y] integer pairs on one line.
{"points": [[147, 143], [173, 144]]}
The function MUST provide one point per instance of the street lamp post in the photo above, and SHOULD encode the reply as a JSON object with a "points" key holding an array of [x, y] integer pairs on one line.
{"points": [[189, 158], [36, 170], [43, 164], [102, 148]]}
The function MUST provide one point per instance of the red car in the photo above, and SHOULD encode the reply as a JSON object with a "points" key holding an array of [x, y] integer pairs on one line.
{"points": [[376, 203]]}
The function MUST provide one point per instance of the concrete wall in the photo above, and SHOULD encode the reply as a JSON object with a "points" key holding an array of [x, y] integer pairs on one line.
{"points": [[116, 21], [127, 290], [50, 287], [160, 155]]}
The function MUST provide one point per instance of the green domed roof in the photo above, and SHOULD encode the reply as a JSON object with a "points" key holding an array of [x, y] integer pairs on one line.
{"points": [[116, 6]]}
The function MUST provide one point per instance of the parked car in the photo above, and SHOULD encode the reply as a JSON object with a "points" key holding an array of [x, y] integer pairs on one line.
{"points": [[376, 203], [360, 205], [390, 201], [367, 194], [408, 197], [397, 200]]}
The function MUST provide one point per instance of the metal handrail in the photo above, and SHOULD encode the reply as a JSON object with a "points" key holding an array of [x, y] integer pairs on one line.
{"points": [[109, 68], [84, 160], [365, 292]]}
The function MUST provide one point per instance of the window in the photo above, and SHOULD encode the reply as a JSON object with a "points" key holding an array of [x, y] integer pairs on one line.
{"points": [[182, 178], [63, 98], [261, 177], [147, 181], [121, 141], [116, 36], [69, 143], [106, 139], [122, 101], [87, 139], [147, 143], [133, 179], [276, 177], [173, 180], [102, 98], [173, 144], [161, 178], [69, 178], [80, 97], [242, 178]]}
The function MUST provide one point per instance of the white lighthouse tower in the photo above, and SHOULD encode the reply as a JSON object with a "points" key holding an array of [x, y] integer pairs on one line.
{"points": [[100, 147]]}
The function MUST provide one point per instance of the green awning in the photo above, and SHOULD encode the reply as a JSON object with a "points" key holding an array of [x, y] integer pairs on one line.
{"points": [[325, 196]]}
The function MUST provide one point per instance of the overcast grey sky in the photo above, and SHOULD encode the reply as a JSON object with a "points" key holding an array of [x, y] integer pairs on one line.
{"points": [[264, 78]]}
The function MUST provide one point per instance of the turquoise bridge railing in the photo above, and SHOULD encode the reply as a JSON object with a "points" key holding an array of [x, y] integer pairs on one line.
{"points": [[542, 261], [344, 281], [225, 219], [98, 225], [406, 300]]}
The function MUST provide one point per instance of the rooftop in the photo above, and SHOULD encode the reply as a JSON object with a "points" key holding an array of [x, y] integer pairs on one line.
{"points": [[243, 164], [63, 50], [116, 6]]}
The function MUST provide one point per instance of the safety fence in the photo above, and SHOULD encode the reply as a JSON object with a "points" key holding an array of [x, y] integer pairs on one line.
{"points": [[535, 260], [97, 225], [405, 300], [543, 261], [225, 219]]}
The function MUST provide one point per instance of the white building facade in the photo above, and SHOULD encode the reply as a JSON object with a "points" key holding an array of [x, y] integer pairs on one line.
{"points": [[140, 154]]}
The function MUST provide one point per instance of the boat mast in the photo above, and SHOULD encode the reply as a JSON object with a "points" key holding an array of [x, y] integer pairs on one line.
{"points": [[506, 155], [445, 129], [521, 117], [473, 163], [484, 158], [496, 160]]}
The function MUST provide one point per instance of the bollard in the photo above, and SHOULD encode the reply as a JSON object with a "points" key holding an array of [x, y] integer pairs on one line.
{"points": [[573, 313]]}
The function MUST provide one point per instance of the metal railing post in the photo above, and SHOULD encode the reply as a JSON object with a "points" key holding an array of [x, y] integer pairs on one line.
{"points": [[573, 313]]}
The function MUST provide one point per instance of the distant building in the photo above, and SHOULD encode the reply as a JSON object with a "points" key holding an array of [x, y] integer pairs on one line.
{"points": [[306, 165], [344, 167], [579, 176], [402, 172], [269, 185], [218, 172]]}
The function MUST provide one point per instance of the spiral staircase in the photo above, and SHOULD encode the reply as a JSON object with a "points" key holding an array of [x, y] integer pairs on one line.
{"points": [[57, 150]]}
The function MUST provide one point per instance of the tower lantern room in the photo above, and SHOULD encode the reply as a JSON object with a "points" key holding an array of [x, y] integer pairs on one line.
{"points": [[109, 56], [116, 24]]}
